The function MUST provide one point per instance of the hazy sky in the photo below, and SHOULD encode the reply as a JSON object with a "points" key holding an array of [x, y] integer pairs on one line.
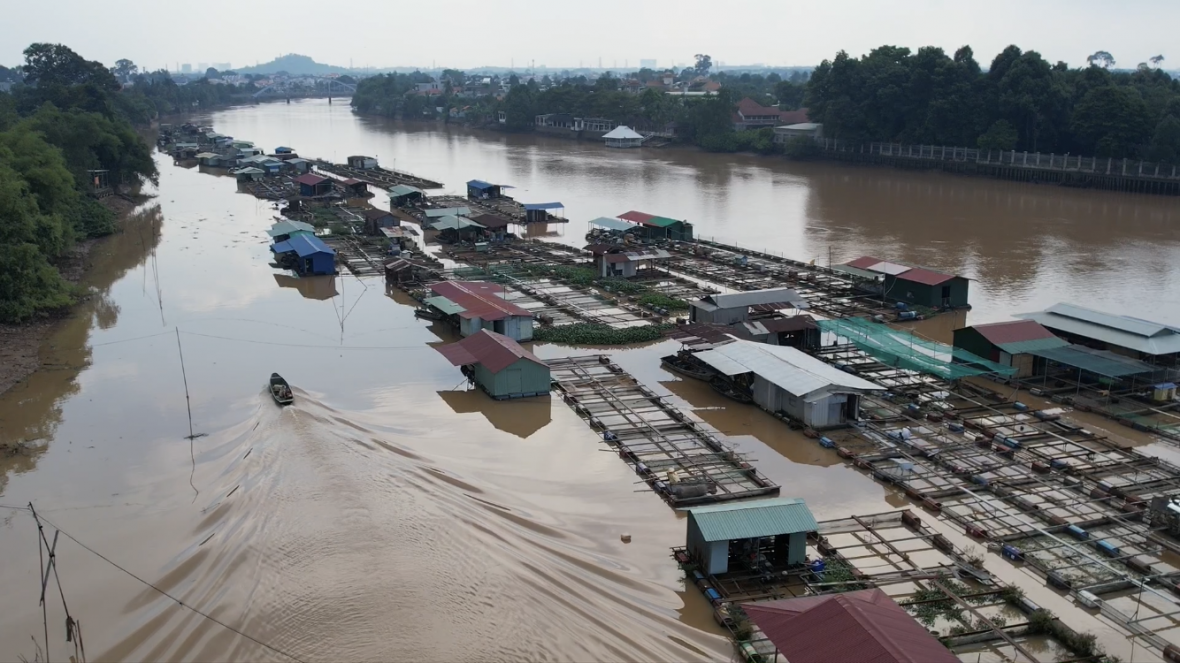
{"points": [[467, 33]]}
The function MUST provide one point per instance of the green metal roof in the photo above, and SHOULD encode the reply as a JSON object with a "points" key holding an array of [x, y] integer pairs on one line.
{"points": [[1101, 362], [445, 305], [662, 221], [1035, 345], [404, 189], [750, 520]]}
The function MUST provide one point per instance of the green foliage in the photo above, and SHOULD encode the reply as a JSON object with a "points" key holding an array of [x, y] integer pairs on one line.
{"points": [[1000, 136], [657, 300], [1165, 145], [1022, 102], [801, 147], [588, 333]]}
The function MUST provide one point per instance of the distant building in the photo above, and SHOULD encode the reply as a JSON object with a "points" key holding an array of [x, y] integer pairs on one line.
{"points": [[481, 190], [916, 285], [298, 165], [362, 162], [376, 219], [306, 254], [749, 537], [865, 625], [313, 185], [735, 307], [1153, 342], [788, 132], [499, 365], [614, 260], [401, 195], [623, 136], [753, 115], [785, 380], [186, 68], [658, 227]]}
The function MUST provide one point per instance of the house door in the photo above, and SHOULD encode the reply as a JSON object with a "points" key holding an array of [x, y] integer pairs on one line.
{"points": [[946, 295], [512, 381]]}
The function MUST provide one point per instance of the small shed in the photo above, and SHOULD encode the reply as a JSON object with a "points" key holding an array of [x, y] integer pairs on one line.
{"points": [[752, 537], [209, 159], [249, 174], [307, 255], [362, 162], [376, 219], [798, 331], [356, 188], [542, 212], [497, 226], [732, 308], [287, 228], [311, 185], [298, 165], [783, 379], [623, 136], [477, 305], [1009, 343], [284, 150], [614, 260], [499, 365], [402, 195], [916, 285], [481, 190]]}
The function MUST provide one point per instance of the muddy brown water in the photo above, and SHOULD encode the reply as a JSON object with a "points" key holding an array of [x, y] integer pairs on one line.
{"points": [[387, 516]]}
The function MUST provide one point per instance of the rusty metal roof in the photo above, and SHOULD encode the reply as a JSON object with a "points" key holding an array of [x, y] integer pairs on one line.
{"points": [[925, 276], [1013, 331], [479, 300], [494, 351]]}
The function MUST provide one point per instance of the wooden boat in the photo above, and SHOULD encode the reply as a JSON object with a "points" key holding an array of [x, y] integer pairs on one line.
{"points": [[280, 390], [691, 368], [729, 390]]}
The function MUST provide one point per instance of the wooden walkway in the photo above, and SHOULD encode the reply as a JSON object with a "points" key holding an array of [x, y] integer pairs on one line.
{"points": [[673, 454], [382, 178]]}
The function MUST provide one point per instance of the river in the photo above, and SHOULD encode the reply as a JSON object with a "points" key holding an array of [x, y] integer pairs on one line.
{"points": [[387, 516]]}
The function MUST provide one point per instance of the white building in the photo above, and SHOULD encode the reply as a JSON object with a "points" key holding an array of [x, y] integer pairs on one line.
{"points": [[735, 307], [783, 379], [623, 136], [811, 130]]}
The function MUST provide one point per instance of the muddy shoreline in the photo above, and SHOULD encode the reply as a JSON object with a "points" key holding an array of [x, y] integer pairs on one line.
{"points": [[21, 344]]}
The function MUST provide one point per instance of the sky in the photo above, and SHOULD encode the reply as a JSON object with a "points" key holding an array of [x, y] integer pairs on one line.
{"points": [[470, 33]]}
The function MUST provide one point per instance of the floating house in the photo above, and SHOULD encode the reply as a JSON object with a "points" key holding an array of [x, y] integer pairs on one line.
{"points": [[376, 219], [298, 165], [623, 136], [249, 174], [784, 380], [753, 537], [541, 212], [284, 150], [356, 188], [864, 625], [789, 132], [496, 226], [306, 254], [733, 308], [916, 285], [362, 162], [1152, 342], [313, 185], [1014, 344], [614, 260], [286, 229], [402, 195], [499, 365], [477, 305], [481, 190], [799, 331], [659, 227], [209, 159], [455, 228]]}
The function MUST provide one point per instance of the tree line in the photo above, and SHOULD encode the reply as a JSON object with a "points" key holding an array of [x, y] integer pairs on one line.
{"points": [[65, 117], [1022, 102]]}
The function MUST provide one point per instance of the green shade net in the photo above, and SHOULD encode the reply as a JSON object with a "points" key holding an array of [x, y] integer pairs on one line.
{"points": [[906, 350]]}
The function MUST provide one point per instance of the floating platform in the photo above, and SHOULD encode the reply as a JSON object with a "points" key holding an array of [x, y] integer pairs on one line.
{"points": [[670, 452], [381, 178]]}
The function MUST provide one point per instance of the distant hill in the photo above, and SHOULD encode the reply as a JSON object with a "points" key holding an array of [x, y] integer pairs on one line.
{"points": [[294, 64]]}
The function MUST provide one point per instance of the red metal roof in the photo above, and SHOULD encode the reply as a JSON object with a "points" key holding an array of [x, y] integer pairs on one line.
{"points": [[864, 262], [864, 626], [925, 276], [636, 217], [794, 116], [310, 180], [479, 300], [351, 181], [748, 107], [1016, 331], [495, 351]]}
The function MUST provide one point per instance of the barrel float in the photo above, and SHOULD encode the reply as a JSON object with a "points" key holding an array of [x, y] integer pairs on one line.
{"points": [[1172, 653], [844, 452], [1040, 468], [942, 543], [1058, 581], [935, 507], [975, 531], [910, 520]]}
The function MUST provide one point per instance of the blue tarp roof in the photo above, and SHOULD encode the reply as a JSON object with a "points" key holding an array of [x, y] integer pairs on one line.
{"points": [[479, 184], [544, 206], [303, 246]]}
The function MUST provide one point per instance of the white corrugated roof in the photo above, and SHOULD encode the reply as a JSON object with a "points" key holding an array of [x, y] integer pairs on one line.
{"points": [[888, 268], [623, 132], [1151, 338], [792, 370], [753, 298]]}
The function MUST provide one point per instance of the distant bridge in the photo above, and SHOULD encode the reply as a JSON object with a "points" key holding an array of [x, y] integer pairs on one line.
{"points": [[334, 88]]}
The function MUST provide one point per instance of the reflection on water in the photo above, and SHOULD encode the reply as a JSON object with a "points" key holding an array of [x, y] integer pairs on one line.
{"points": [[521, 418], [311, 287]]}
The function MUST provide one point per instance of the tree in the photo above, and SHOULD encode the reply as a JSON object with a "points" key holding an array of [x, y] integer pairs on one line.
{"points": [[519, 108], [1156, 60], [1000, 136], [1111, 121], [1101, 59], [703, 64], [212, 73], [57, 65], [1165, 145], [789, 95], [124, 70]]}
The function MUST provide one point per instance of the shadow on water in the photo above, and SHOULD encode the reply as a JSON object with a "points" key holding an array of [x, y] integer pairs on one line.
{"points": [[521, 418], [310, 287], [31, 410]]}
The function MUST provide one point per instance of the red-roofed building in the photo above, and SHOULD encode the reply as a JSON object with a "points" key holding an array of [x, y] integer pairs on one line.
{"points": [[499, 365], [865, 626], [916, 285], [1010, 343], [753, 115], [476, 305]]}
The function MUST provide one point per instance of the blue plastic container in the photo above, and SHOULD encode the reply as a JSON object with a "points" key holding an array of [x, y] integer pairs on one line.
{"points": [[1077, 532], [827, 443], [1020, 406], [712, 594], [1107, 548]]}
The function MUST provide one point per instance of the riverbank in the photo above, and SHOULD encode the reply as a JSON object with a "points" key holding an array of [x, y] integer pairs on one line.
{"points": [[20, 344]]}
